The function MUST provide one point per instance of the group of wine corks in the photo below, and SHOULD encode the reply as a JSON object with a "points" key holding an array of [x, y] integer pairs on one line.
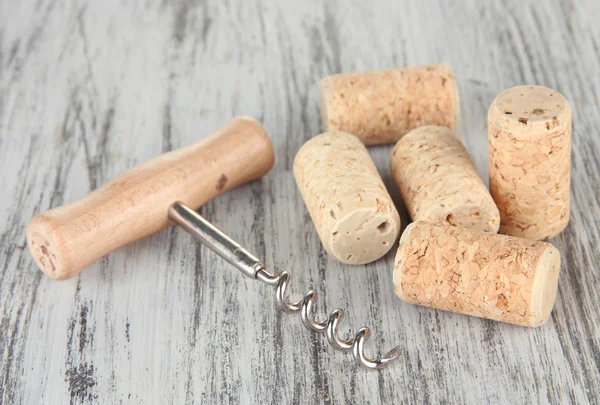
{"points": [[451, 257]]}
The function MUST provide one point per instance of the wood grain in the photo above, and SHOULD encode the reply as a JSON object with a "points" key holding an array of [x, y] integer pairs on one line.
{"points": [[89, 89]]}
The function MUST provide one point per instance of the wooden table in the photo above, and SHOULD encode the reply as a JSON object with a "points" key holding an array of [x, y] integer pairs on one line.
{"points": [[88, 90]]}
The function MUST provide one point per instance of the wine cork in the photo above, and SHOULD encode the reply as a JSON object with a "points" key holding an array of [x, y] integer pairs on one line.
{"points": [[529, 132], [439, 183], [351, 209], [381, 106], [491, 276]]}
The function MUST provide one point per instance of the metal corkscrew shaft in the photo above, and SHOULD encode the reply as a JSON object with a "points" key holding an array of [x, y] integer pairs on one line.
{"points": [[254, 268]]}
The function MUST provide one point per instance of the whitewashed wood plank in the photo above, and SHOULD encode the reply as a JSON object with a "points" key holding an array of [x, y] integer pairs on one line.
{"points": [[90, 89]]}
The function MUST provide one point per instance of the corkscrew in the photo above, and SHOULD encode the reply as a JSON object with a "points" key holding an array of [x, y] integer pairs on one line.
{"points": [[66, 239], [254, 268]]}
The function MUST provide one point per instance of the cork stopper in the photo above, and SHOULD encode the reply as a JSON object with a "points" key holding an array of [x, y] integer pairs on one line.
{"points": [[380, 106], [468, 271], [439, 183], [351, 209], [529, 132]]}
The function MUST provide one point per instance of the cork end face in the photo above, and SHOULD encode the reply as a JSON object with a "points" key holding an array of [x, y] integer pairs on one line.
{"points": [[43, 244], [364, 236], [530, 110], [545, 286]]}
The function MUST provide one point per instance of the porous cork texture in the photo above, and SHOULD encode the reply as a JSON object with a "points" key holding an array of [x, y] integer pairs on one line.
{"points": [[439, 183], [351, 209], [529, 132], [472, 272], [381, 106]]}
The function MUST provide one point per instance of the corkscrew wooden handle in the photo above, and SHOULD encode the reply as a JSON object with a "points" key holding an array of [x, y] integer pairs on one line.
{"points": [[66, 239]]}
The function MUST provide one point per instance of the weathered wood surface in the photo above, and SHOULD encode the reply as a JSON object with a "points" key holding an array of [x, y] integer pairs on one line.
{"points": [[89, 89]]}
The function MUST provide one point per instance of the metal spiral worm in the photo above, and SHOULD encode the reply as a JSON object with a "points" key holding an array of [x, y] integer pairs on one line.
{"points": [[252, 267], [329, 326]]}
